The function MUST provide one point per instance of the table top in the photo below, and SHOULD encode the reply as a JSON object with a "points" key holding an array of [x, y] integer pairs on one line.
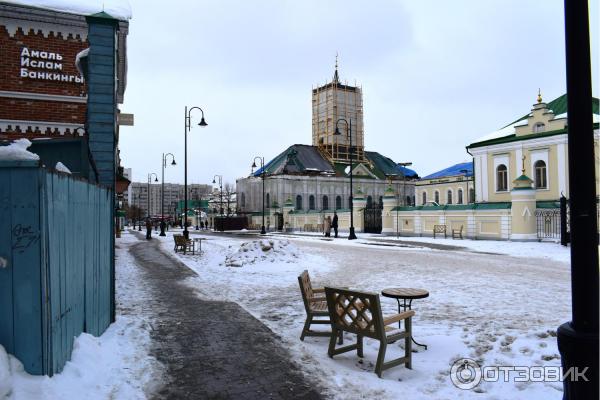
{"points": [[405, 293]]}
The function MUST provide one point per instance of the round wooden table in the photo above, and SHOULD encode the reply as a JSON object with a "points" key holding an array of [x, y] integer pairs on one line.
{"points": [[407, 295]]}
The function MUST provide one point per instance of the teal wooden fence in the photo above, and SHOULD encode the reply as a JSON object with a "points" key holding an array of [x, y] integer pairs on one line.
{"points": [[55, 263]]}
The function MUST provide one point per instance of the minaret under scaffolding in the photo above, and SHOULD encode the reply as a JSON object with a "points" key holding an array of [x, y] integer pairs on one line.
{"points": [[331, 102]]}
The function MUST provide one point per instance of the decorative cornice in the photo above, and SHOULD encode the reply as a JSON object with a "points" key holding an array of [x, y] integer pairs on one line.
{"points": [[42, 126]]}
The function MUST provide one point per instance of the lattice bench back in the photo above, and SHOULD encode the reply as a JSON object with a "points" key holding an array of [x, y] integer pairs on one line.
{"points": [[355, 312], [306, 289]]}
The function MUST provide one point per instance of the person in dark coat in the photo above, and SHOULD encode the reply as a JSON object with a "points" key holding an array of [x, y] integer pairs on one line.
{"points": [[334, 223], [148, 229]]}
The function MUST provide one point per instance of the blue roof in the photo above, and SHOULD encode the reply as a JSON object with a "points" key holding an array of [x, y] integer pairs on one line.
{"points": [[407, 172], [454, 170]]}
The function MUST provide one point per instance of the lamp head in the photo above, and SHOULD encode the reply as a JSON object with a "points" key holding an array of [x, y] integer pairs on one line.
{"points": [[155, 179], [202, 122], [337, 131], [253, 164], [173, 162], [214, 181]]}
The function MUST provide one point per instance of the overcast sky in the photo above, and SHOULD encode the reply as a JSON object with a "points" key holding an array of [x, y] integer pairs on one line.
{"points": [[436, 75]]}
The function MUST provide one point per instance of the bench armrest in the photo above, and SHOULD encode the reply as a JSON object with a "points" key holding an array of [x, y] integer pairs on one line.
{"points": [[398, 317], [319, 290], [317, 299]]}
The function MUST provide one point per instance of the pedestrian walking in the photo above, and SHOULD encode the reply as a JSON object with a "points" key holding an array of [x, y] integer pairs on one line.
{"points": [[334, 223], [327, 226], [148, 229]]}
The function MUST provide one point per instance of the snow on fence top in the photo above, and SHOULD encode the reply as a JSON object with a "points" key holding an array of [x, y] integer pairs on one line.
{"points": [[119, 9], [17, 151]]}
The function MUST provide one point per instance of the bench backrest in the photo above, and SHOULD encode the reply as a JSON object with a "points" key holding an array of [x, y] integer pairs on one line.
{"points": [[179, 240], [355, 312], [306, 289], [439, 228]]}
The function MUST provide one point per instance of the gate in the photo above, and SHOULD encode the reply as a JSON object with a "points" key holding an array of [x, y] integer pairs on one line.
{"points": [[279, 221], [548, 223], [372, 219]]}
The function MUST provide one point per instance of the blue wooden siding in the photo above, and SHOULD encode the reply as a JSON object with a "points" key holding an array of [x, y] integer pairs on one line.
{"points": [[56, 238]]}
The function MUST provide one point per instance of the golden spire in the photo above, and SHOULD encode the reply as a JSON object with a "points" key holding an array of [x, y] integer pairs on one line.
{"points": [[523, 168], [539, 98]]}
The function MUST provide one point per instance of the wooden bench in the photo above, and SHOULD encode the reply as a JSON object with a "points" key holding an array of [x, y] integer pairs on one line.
{"points": [[315, 306], [439, 229], [183, 244], [457, 233], [360, 313]]}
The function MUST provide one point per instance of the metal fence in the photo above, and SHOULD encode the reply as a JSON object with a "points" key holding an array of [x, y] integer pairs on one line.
{"points": [[548, 223], [56, 263]]}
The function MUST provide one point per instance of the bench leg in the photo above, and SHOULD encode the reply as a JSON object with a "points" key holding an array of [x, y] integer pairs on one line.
{"points": [[408, 342], [359, 342], [380, 358], [332, 339], [306, 327]]}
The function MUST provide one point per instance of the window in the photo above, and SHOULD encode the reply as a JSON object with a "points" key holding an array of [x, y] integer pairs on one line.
{"points": [[471, 195], [268, 205], [437, 197], [298, 202], [369, 202], [338, 202], [325, 203], [424, 198], [539, 127], [243, 200], [407, 200], [540, 175], [501, 178], [449, 197], [311, 202], [460, 197]]}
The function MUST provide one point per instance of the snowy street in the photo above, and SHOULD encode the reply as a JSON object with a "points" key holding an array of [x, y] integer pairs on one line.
{"points": [[496, 309]]}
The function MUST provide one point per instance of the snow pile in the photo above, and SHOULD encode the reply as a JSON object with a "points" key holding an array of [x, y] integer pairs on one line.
{"points": [[119, 9], [60, 167], [17, 151], [270, 250], [5, 382]]}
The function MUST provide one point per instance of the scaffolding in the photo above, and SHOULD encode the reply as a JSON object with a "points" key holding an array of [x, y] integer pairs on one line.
{"points": [[331, 102]]}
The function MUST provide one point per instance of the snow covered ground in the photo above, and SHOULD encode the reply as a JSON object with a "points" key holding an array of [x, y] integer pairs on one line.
{"points": [[116, 365], [496, 302]]}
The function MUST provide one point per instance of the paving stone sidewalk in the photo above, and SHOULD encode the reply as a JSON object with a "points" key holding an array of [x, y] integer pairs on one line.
{"points": [[212, 349]]}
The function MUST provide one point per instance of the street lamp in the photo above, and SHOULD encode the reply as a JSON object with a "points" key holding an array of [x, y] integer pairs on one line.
{"points": [[465, 172], [150, 181], [263, 231], [162, 191], [187, 127], [139, 212], [220, 197], [352, 235]]}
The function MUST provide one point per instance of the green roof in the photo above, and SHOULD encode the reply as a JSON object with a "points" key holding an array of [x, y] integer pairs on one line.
{"points": [[559, 106]]}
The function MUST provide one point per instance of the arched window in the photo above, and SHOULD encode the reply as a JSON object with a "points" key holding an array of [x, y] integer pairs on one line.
{"points": [[325, 203], [437, 197], [501, 178], [449, 196], [298, 202], [338, 202], [408, 201], [243, 200], [460, 197], [268, 201], [424, 197], [369, 202], [540, 175], [539, 127], [311, 202], [471, 195]]}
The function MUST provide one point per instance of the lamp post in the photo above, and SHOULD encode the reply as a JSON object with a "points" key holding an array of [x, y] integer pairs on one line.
{"points": [[162, 191], [352, 235], [187, 127], [220, 197], [465, 172], [139, 212], [263, 231]]}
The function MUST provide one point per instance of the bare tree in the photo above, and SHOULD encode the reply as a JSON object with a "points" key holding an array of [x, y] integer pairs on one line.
{"points": [[228, 194]]}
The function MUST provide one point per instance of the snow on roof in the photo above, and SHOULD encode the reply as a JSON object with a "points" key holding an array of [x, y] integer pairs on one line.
{"points": [[119, 9], [17, 151]]}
